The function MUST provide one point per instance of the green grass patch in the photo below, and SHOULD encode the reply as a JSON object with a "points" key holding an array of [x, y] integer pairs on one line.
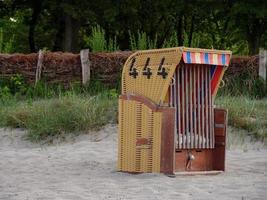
{"points": [[246, 113], [45, 119]]}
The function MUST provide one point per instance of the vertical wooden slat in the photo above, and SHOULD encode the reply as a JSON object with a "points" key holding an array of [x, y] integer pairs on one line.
{"points": [[183, 104], [212, 117], [198, 106], [171, 95], [202, 107], [186, 107], [206, 108], [194, 106], [211, 111], [190, 107], [178, 106], [174, 87]]}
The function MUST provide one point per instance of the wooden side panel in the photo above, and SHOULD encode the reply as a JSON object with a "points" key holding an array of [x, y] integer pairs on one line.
{"points": [[202, 161], [220, 125], [140, 135], [181, 157], [167, 163]]}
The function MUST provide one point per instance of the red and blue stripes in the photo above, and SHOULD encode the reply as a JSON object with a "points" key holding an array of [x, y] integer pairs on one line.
{"points": [[216, 72], [206, 58]]}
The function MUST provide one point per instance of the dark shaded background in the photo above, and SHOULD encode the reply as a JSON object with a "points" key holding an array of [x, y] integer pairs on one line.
{"points": [[61, 25]]}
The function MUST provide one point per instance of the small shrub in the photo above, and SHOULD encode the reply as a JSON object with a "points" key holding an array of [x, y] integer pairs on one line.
{"points": [[142, 41], [97, 40], [5, 92], [152, 44], [98, 43], [172, 41], [15, 84], [112, 45]]}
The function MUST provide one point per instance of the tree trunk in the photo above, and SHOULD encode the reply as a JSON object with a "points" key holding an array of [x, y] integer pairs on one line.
{"points": [[254, 44], [191, 31], [254, 33], [59, 34], [180, 30], [36, 10], [67, 45], [72, 27]]}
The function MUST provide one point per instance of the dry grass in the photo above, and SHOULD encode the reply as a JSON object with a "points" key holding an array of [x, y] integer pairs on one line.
{"points": [[246, 113], [50, 118]]}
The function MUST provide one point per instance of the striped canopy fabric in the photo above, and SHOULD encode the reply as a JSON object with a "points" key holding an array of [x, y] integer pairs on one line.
{"points": [[216, 60], [206, 58]]}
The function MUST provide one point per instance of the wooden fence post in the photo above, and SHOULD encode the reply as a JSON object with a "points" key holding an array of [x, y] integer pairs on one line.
{"points": [[39, 66], [84, 54], [263, 65]]}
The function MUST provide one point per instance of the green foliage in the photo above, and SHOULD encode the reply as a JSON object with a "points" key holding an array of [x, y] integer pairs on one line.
{"points": [[14, 85], [152, 44], [113, 93], [97, 40], [1, 40], [186, 39], [93, 87], [172, 42], [5, 47], [142, 41], [14, 32], [5, 93], [259, 88], [98, 43], [17, 84], [196, 40], [42, 90], [112, 45]]}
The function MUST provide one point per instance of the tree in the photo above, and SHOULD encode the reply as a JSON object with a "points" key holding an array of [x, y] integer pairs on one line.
{"points": [[251, 19], [61, 25]]}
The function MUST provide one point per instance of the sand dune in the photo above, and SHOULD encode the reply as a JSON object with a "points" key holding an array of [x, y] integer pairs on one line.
{"points": [[84, 167]]}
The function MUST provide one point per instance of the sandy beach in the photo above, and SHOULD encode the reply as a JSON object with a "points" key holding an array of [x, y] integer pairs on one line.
{"points": [[84, 167]]}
